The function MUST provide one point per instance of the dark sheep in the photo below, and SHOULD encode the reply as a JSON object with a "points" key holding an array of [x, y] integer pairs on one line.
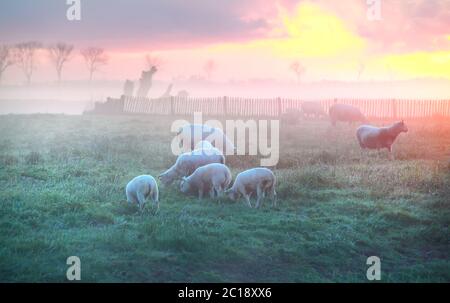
{"points": [[346, 113]]}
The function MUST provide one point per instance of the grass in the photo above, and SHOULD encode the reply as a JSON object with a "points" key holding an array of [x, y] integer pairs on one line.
{"points": [[62, 184]]}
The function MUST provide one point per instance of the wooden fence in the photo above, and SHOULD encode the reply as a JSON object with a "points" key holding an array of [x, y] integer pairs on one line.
{"points": [[251, 107]]}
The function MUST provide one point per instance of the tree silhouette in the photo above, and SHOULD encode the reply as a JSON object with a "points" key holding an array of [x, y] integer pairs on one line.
{"points": [[94, 57], [153, 60], [298, 69], [209, 68], [60, 54], [25, 57], [6, 58]]}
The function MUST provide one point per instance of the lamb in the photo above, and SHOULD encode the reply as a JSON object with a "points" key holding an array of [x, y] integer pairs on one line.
{"points": [[258, 180], [373, 137], [187, 163], [191, 134], [346, 113], [140, 188], [214, 177], [310, 108]]}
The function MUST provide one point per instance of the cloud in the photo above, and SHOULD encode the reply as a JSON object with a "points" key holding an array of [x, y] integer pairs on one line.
{"points": [[151, 23]]}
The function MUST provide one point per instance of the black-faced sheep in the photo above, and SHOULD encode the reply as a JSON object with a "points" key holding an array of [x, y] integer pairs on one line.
{"points": [[187, 163], [140, 188], [257, 181], [345, 113], [214, 178], [372, 137]]}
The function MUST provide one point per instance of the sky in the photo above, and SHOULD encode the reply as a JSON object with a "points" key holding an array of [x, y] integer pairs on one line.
{"points": [[251, 39]]}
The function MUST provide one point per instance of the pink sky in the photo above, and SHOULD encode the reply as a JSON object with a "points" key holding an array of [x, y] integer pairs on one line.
{"points": [[246, 39]]}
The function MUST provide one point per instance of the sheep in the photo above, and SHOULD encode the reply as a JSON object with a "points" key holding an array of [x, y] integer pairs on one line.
{"points": [[187, 163], [310, 108], [214, 177], [258, 180], [372, 137], [191, 134], [345, 112], [140, 188]]}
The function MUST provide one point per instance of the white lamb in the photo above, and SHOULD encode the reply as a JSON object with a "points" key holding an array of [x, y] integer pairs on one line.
{"points": [[214, 178], [140, 188], [256, 180], [191, 134], [187, 163]]}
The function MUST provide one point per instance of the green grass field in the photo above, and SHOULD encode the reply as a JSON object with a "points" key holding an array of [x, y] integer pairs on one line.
{"points": [[62, 184]]}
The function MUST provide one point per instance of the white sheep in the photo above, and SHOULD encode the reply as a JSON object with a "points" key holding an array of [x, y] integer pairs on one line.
{"points": [[256, 180], [187, 163], [191, 134], [214, 177], [140, 188]]}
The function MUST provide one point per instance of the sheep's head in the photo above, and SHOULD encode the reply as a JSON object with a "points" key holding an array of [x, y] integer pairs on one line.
{"points": [[166, 178], [403, 127], [185, 187], [233, 195]]}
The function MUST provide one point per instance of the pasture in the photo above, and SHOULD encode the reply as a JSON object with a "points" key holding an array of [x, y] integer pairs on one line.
{"points": [[62, 194]]}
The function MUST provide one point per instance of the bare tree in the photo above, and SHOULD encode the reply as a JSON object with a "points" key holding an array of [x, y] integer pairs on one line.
{"points": [[60, 54], [94, 57], [361, 69], [209, 68], [25, 57], [153, 61], [298, 69], [6, 58]]}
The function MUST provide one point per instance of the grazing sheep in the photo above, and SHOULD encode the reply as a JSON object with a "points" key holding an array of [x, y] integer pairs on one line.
{"points": [[203, 145], [346, 113], [187, 163], [310, 108], [373, 137], [193, 133], [140, 188], [214, 177], [256, 180]]}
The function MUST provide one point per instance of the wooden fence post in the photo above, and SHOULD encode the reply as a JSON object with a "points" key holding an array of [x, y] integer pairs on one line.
{"points": [[171, 105], [394, 109], [225, 108], [280, 110]]}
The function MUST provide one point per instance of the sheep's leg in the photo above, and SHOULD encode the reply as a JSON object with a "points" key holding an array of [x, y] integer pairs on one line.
{"points": [[211, 192], [141, 201], [247, 199], [273, 196], [259, 196], [155, 199], [200, 193], [391, 153]]}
